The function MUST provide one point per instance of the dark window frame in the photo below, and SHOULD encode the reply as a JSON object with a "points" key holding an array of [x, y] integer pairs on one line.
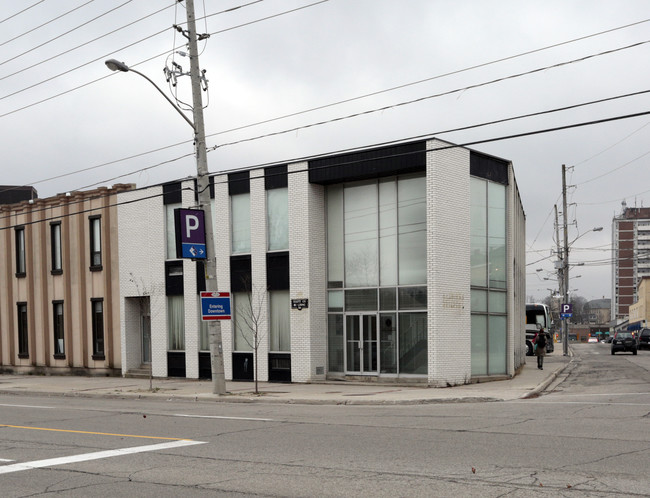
{"points": [[98, 328], [95, 252], [58, 328], [23, 329], [21, 252], [55, 240]]}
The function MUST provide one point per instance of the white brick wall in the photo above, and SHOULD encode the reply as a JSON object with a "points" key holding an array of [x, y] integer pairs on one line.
{"points": [[221, 217], [259, 294], [141, 242], [516, 250], [448, 265], [142, 256], [308, 262]]}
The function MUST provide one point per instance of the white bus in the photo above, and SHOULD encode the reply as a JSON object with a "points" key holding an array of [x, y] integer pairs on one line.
{"points": [[538, 315]]}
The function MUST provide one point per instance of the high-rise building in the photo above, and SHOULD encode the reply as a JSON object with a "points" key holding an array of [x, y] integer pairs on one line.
{"points": [[631, 257]]}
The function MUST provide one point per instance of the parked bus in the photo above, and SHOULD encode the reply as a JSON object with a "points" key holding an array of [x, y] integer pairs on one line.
{"points": [[538, 315]]}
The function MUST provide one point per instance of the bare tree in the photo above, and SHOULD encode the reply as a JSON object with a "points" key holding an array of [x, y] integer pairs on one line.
{"points": [[248, 319], [145, 296]]}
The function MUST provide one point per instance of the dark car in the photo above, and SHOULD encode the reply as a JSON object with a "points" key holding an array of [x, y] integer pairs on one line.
{"points": [[624, 341], [644, 339]]}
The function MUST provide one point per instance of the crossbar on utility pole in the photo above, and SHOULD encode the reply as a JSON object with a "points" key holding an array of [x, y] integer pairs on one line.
{"points": [[203, 186]]}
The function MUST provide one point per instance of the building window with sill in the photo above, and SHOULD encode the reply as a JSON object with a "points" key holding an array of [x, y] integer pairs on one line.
{"points": [[21, 267], [95, 243], [55, 242], [97, 309], [59, 344], [23, 337]]}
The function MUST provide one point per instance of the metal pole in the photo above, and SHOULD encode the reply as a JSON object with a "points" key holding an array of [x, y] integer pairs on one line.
{"points": [[560, 272], [565, 265], [202, 180]]}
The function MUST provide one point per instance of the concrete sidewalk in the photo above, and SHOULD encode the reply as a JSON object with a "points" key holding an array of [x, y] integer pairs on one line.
{"points": [[529, 382]]}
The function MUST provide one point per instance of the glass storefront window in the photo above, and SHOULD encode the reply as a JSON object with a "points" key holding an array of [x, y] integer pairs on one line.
{"points": [[241, 223], [335, 301], [277, 210], [388, 299], [241, 322], [479, 345], [280, 327], [361, 300], [413, 356], [361, 235], [335, 343], [412, 220], [489, 265], [412, 298], [388, 232]]}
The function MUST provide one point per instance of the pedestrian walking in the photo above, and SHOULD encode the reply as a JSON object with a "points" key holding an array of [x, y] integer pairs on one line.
{"points": [[541, 348]]}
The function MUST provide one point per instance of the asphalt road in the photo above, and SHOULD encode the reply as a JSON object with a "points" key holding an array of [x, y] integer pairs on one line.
{"points": [[589, 435]]}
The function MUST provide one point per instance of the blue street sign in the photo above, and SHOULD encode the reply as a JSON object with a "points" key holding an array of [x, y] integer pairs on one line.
{"points": [[190, 233], [215, 305], [566, 310]]}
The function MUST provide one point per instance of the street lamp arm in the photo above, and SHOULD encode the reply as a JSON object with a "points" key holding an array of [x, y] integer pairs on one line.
{"points": [[115, 65]]}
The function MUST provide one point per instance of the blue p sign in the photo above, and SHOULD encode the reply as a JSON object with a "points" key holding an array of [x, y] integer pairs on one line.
{"points": [[190, 233]]}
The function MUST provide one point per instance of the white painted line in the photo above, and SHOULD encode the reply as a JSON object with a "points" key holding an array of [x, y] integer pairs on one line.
{"points": [[598, 403], [51, 462], [28, 406], [5, 460], [224, 418]]}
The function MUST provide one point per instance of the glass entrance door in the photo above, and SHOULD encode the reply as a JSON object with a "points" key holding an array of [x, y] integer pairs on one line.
{"points": [[361, 344]]}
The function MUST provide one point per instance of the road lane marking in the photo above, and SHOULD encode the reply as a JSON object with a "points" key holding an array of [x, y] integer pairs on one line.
{"points": [[93, 433], [28, 406], [51, 462], [5, 460], [221, 417]]}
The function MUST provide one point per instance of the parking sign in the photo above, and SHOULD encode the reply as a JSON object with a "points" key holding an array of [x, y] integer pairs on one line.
{"points": [[190, 233]]}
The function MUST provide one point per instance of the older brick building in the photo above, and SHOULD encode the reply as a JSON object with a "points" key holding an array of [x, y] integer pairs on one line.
{"points": [[59, 305]]}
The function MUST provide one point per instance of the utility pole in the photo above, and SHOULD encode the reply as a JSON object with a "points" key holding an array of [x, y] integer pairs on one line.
{"points": [[565, 266], [558, 265], [202, 181]]}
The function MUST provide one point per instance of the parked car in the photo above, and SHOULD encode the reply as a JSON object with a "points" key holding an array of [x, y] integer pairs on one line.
{"points": [[644, 339], [624, 341]]}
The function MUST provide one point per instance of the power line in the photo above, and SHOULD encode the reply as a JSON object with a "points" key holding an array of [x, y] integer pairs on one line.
{"points": [[432, 78], [45, 23], [65, 33], [85, 43], [20, 12], [428, 97], [435, 149]]}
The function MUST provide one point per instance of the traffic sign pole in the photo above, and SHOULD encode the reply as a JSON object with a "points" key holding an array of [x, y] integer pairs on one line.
{"points": [[203, 186]]}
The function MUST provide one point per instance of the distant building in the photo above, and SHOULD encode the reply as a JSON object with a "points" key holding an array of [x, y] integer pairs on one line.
{"points": [[631, 258], [10, 194], [59, 303], [598, 311]]}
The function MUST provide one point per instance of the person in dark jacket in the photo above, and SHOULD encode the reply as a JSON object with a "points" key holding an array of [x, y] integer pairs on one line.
{"points": [[541, 348]]}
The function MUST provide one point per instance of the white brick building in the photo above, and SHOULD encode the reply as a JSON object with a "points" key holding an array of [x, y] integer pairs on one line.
{"points": [[410, 258]]}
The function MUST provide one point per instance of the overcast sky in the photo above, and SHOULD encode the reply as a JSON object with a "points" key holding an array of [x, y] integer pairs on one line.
{"points": [[64, 112]]}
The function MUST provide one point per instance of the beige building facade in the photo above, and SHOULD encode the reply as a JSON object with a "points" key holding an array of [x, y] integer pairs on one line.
{"points": [[59, 305], [639, 310]]}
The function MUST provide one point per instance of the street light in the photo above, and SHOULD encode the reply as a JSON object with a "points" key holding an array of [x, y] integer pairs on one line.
{"points": [[202, 181], [115, 65]]}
